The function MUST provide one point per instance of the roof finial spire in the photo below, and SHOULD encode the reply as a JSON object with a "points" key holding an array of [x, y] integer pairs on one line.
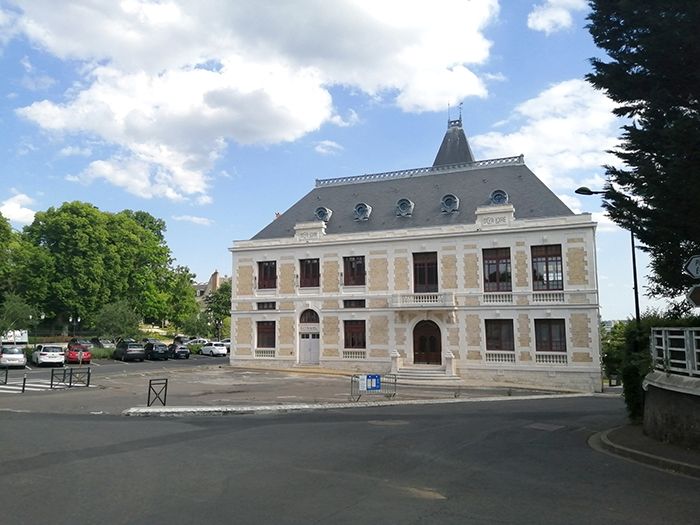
{"points": [[454, 123]]}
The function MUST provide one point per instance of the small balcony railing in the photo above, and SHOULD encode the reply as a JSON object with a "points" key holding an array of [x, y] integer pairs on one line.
{"points": [[424, 300], [500, 356], [551, 358], [547, 297], [497, 298]]}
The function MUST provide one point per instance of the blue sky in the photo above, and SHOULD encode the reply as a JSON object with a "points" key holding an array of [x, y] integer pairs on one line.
{"points": [[214, 115]]}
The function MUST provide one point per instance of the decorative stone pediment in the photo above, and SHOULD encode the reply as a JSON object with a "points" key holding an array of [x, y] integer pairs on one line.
{"points": [[307, 231], [488, 217]]}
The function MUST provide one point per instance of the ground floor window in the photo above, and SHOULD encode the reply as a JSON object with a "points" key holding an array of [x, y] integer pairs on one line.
{"points": [[266, 334], [550, 335], [355, 334], [499, 335]]}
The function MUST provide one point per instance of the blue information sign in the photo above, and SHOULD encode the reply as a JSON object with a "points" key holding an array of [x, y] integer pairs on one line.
{"points": [[374, 382]]}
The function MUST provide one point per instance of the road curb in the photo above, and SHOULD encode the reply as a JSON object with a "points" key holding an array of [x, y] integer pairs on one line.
{"points": [[303, 407], [603, 440]]}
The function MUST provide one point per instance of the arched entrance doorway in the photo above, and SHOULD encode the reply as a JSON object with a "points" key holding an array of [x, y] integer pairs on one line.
{"points": [[309, 338], [427, 343]]}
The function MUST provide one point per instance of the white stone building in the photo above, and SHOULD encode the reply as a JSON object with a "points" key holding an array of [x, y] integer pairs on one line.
{"points": [[472, 268]]}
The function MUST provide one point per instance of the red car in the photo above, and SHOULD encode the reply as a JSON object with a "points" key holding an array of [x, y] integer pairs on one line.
{"points": [[78, 351]]}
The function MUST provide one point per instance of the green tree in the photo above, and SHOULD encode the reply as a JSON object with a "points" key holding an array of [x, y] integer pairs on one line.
{"points": [[117, 319], [219, 306], [77, 238], [197, 324], [5, 239], [16, 314], [182, 302], [613, 348], [652, 74]]}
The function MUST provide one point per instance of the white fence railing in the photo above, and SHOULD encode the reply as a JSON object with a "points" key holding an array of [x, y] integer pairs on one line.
{"points": [[354, 354], [676, 350], [264, 353]]}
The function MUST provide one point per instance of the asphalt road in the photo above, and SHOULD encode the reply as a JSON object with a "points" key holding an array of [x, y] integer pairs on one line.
{"points": [[519, 461]]}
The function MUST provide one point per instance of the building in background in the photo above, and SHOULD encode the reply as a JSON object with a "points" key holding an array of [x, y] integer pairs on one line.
{"points": [[467, 268], [202, 290]]}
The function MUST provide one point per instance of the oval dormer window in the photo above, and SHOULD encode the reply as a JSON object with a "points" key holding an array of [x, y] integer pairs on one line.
{"points": [[362, 211], [449, 203], [323, 214], [499, 197], [404, 207]]}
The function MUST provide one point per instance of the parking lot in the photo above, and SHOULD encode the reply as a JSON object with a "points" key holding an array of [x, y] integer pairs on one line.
{"points": [[202, 381]]}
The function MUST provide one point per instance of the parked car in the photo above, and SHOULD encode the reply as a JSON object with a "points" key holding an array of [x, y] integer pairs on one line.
{"points": [[77, 356], [11, 355], [79, 343], [227, 342], [48, 355], [197, 341], [102, 343], [129, 351], [214, 348], [156, 350], [178, 351]]}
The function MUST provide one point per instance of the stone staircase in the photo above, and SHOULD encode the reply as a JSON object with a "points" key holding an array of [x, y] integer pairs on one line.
{"points": [[425, 374]]}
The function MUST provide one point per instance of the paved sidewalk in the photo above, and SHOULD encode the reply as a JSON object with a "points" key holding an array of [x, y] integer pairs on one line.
{"points": [[629, 441]]}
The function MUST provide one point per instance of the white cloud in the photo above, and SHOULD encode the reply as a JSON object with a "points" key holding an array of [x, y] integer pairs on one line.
{"points": [[565, 129], [15, 209], [605, 224], [554, 15], [572, 202], [72, 151], [328, 147], [34, 80], [202, 221], [168, 84]]}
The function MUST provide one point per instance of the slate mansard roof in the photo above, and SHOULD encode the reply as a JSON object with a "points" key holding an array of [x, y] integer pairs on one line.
{"points": [[454, 172]]}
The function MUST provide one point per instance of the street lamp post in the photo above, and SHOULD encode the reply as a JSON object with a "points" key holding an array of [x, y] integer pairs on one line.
{"points": [[74, 320], [587, 191]]}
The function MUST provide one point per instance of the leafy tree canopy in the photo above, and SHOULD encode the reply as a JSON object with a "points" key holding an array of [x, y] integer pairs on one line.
{"points": [[16, 314], [219, 306], [652, 74], [75, 258], [117, 319]]}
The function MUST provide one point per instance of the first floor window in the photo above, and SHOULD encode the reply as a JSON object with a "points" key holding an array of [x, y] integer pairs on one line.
{"points": [[266, 334], [550, 335], [308, 273], [355, 334], [425, 272], [354, 270], [499, 335], [497, 274], [267, 275], [547, 273]]}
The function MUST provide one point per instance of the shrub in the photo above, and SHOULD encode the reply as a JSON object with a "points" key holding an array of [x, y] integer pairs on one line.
{"points": [[195, 349], [636, 362], [102, 353]]}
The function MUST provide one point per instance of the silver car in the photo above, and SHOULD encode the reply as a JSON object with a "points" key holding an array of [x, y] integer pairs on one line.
{"points": [[12, 356]]}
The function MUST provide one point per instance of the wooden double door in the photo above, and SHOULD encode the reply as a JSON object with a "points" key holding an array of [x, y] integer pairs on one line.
{"points": [[427, 344]]}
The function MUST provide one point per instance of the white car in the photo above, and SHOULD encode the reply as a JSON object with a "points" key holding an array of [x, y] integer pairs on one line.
{"points": [[197, 341], [227, 342], [214, 348], [12, 356], [48, 355]]}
